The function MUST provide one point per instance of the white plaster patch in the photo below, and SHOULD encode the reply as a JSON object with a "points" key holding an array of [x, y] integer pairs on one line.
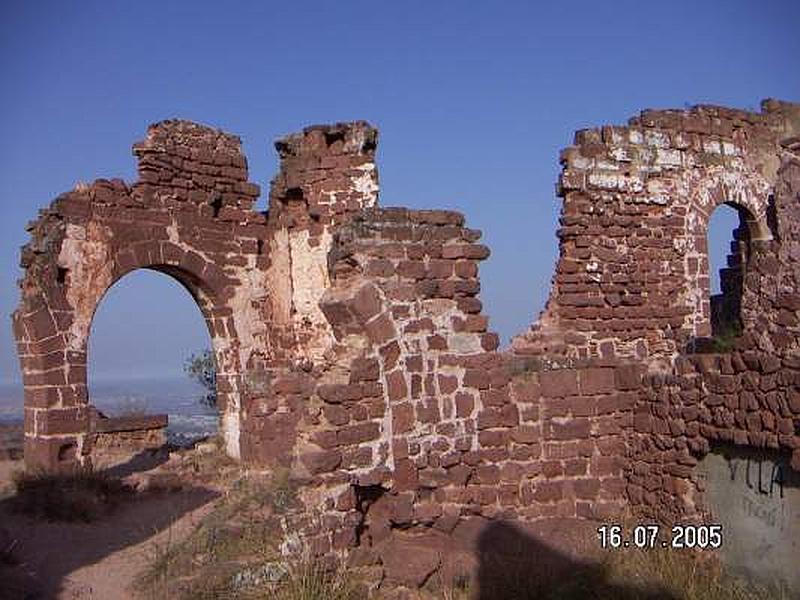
{"points": [[366, 184], [85, 254], [656, 138], [668, 157], [309, 274], [712, 147], [230, 424]]}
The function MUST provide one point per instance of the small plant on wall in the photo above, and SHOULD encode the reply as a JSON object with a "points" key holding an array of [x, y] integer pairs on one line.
{"points": [[202, 368]]}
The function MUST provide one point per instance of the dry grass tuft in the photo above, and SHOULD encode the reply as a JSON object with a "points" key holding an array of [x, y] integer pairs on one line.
{"points": [[82, 496], [233, 552], [682, 574], [656, 574], [307, 580]]}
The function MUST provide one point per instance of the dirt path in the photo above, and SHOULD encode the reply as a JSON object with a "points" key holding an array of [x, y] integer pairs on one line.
{"points": [[98, 560]]}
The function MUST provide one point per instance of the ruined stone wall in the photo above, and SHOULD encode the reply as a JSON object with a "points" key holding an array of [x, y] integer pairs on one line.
{"points": [[190, 217], [632, 278], [749, 397], [353, 351]]}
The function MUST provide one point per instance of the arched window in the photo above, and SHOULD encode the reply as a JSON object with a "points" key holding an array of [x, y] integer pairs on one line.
{"points": [[144, 330], [728, 252]]}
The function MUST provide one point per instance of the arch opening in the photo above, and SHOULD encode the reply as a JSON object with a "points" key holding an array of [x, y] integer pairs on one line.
{"points": [[144, 330], [731, 232], [729, 245]]}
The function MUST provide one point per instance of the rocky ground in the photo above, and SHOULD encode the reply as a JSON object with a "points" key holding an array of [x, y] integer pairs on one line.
{"points": [[103, 558], [189, 523]]}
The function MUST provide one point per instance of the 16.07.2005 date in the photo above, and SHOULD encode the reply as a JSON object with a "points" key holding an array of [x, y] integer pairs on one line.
{"points": [[703, 537]]}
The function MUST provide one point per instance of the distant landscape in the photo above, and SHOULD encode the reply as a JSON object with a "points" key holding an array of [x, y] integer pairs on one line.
{"points": [[179, 397]]}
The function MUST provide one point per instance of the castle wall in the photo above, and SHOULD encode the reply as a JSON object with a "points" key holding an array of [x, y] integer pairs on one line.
{"points": [[352, 348]]}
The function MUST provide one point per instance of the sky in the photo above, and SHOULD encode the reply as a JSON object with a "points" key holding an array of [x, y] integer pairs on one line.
{"points": [[473, 102]]}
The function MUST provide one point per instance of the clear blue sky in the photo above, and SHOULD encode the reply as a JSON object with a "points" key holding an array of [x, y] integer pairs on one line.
{"points": [[473, 100]]}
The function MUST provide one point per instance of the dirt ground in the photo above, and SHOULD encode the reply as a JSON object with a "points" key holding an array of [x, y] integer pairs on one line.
{"points": [[97, 560]]}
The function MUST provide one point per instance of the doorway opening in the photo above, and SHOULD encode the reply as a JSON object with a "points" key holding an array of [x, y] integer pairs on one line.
{"points": [[728, 241], [144, 334]]}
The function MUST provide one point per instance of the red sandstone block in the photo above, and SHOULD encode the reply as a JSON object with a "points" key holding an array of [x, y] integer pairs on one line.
{"points": [[493, 437], [416, 385], [494, 397], [470, 251], [336, 414], [437, 342], [55, 454], [405, 476], [364, 369], [359, 457], [548, 491], [412, 269], [597, 381], [439, 269], [490, 342], [604, 465], [575, 467], [642, 423], [62, 421], [526, 434], [332, 393], [322, 462], [397, 388], [324, 439], [551, 468], [477, 378], [380, 329], [611, 446], [459, 474], [465, 403], [419, 325], [356, 434], [402, 417], [76, 375], [41, 397], [414, 363], [469, 305], [485, 495], [490, 417], [448, 384], [379, 268], [476, 323], [499, 377], [559, 383], [390, 353], [48, 378], [40, 325], [487, 474], [192, 262], [288, 384], [466, 269], [567, 429], [467, 287], [367, 302], [428, 411], [627, 377], [376, 408], [586, 489]]}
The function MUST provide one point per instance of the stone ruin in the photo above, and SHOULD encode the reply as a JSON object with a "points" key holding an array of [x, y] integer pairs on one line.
{"points": [[352, 349]]}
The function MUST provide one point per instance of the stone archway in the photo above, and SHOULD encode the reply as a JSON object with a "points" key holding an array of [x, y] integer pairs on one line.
{"points": [[748, 193], [61, 291]]}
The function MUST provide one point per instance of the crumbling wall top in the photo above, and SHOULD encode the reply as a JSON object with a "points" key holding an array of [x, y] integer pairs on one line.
{"points": [[202, 164], [355, 137]]}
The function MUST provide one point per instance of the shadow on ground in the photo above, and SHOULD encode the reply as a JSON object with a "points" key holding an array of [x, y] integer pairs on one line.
{"points": [[515, 564], [36, 556]]}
